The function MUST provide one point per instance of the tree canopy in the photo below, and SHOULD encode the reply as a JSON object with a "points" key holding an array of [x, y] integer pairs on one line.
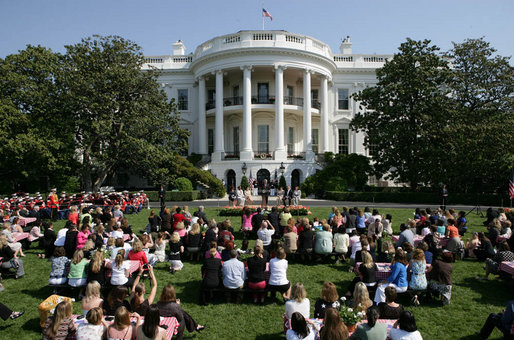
{"points": [[89, 113], [440, 118]]}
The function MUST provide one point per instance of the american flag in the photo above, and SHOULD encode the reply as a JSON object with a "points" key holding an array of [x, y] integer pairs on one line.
{"points": [[265, 13], [251, 178], [511, 184]]}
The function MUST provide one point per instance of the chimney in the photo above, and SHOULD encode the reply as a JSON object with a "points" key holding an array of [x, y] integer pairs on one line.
{"points": [[346, 46], [179, 48]]}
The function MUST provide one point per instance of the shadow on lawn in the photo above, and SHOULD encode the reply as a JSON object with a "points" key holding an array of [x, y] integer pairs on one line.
{"points": [[40, 293], [492, 291], [31, 325], [278, 335]]}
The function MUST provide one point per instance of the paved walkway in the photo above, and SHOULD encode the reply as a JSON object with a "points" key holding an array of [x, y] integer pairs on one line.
{"points": [[312, 202]]}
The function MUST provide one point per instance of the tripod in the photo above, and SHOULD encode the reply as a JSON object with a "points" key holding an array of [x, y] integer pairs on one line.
{"points": [[476, 208]]}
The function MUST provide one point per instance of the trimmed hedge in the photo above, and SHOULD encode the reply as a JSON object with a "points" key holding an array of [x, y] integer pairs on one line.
{"points": [[238, 211], [415, 197], [174, 196]]}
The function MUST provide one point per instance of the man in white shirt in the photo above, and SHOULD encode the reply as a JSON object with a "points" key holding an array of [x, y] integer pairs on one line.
{"points": [[265, 233], [234, 275], [61, 236]]}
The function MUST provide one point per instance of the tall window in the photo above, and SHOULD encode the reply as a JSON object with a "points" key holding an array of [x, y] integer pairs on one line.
{"points": [[211, 99], [342, 99], [315, 140], [314, 99], [372, 150], [288, 99], [262, 93], [263, 138], [290, 140], [183, 97], [235, 94], [235, 91], [210, 140], [235, 140], [342, 144]]}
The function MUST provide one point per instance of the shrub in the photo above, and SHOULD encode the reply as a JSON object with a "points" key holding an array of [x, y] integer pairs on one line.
{"points": [[244, 183], [194, 158], [282, 182], [183, 184]]}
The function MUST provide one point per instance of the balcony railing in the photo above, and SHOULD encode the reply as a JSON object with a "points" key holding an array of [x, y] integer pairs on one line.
{"points": [[230, 101], [263, 100], [315, 104], [298, 101], [230, 155]]}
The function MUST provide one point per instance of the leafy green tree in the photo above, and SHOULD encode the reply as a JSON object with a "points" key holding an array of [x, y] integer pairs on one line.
{"points": [[34, 137], [120, 116], [244, 183], [282, 182], [341, 173], [405, 114], [183, 184], [482, 140]]}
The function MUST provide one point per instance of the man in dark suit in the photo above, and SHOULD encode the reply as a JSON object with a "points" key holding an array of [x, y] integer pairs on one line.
{"points": [[288, 196], [264, 193], [162, 197], [273, 218]]}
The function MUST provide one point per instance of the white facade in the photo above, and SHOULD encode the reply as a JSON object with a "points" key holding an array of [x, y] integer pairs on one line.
{"points": [[275, 97]]}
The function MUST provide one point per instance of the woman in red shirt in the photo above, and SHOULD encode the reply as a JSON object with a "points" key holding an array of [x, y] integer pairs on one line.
{"points": [[137, 253]]}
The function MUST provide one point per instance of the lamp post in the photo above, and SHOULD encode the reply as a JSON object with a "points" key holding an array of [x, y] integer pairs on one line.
{"points": [[244, 168], [282, 168]]}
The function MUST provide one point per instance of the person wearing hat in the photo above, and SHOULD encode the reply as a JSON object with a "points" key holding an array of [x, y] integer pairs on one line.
{"points": [[53, 203]]}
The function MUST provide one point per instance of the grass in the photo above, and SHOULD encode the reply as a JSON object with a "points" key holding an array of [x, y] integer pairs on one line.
{"points": [[472, 300]]}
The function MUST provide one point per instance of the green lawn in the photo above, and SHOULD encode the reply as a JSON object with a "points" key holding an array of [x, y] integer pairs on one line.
{"points": [[471, 302]]}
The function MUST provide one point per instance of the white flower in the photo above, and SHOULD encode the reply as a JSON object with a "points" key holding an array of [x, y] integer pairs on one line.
{"points": [[350, 309], [360, 304], [343, 298]]}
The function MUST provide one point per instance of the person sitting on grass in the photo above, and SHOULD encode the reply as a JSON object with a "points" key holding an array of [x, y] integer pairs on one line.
{"points": [[137, 253], [485, 250], [428, 254], [11, 241], [439, 276], [502, 321], [405, 328], [361, 300], [211, 271], [77, 276], [120, 270], [60, 325], [418, 266], [367, 273], [492, 265], [169, 306], [300, 329], [138, 303], [96, 269], [115, 300], [122, 328], [176, 249], [150, 328], [323, 243], [256, 279], [390, 309], [6, 312], [58, 267], [333, 327], [329, 299], [234, 275], [371, 329], [397, 278], [92, 298], [298, 303], [95, 327]]}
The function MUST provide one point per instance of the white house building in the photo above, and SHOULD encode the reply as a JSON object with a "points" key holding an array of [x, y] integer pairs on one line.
{"points": [[266, 102]]}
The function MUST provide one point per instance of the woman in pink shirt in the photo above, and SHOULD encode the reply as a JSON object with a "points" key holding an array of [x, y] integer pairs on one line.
{"points": [[246, 220], [83, 235]]}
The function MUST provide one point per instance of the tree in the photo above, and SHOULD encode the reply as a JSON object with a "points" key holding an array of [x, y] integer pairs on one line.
{"points": [[482, 142], [33, 134], [405, 114], [282, 182], [244, 183], [120, 116], [340, 173]]}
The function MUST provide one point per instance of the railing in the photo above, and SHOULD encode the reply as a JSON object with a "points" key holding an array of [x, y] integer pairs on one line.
{"points": [[374, 59], [230, 101], [298, 155], [232, 39], [263, 100], [343, 58], [294, 38], [185, 59], [154, 60], [293, 101], [262, 36], [229, 155], [361, 60], [315, 104]]}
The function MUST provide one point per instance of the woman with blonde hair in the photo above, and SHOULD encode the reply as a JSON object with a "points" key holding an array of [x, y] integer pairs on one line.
{"points": [[361, 300], [95, 326], [329, 299], [333, 327], [120, 270], [290, 239], [9, 258], [160, 246], [180, 229], [298, 302], [176, 249], [77, 276], [137, 253], [418, 265], [337, 219], [121, 328], [169, 306], [92, 298], [60, 325], [367, 273]]}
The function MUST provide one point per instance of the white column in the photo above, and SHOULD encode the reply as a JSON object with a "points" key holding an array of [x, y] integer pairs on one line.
{"points": [[202, 125], [324, 114], [247, 152], [307, 121], [280, 150], [218, 144]]}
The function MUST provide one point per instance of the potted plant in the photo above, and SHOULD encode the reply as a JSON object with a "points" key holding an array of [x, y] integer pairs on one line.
{"points": [[350, 317]]}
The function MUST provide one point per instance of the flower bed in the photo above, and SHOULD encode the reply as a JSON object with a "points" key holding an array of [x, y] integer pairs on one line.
{"points": [[238, 211]]}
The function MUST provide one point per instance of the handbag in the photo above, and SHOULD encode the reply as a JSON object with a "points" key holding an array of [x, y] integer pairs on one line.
{"points": [[14, 263]]}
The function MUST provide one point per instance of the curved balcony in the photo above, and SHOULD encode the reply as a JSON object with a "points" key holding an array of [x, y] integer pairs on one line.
{"points": [[235, 101]]}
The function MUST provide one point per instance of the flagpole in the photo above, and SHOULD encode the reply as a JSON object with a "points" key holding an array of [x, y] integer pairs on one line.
{"points": [[262, 15]]}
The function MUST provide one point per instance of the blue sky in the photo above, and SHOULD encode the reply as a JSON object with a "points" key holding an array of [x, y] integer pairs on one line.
{"points": [[374, 26]]}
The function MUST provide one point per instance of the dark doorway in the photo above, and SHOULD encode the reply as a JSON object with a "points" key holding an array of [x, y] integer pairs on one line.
{"points": [[295, 178], [262, 174], [231, 180]]}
